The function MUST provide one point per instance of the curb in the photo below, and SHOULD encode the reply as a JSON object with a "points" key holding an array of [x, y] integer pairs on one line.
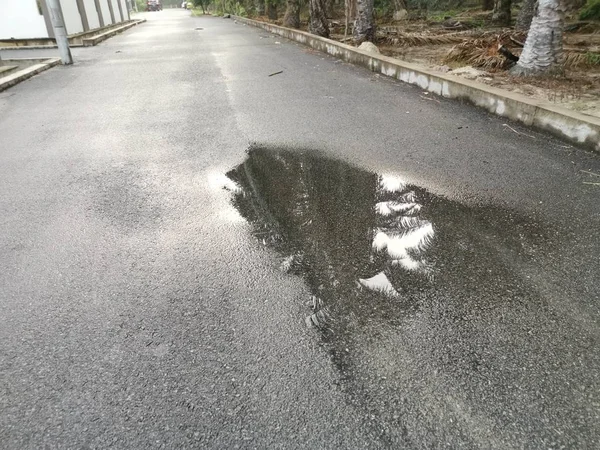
{"points": [[569, 125], [89, 42], [24, 74], [36, 47], [76, 40]]}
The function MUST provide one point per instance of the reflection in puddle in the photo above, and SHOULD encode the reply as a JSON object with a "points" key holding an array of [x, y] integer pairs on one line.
{"points": [[430, 308], [366, 244]]}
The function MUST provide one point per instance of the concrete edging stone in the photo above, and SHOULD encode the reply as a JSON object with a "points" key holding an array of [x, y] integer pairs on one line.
{"points": [[570, 125], [89, 42], [75, 40], [24, 74]]}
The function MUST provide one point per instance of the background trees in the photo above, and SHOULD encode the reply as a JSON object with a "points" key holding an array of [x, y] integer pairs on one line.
{"points": [[292, 14], [364, 27], [542, 50], [502, 12], [318, 23]]}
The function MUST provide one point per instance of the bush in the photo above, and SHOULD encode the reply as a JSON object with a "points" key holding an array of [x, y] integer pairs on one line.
{"points": [[591, 11], [231, 7]]}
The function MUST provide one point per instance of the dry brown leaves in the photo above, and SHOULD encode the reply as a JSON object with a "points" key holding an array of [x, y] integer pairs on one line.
{"points": [[483, 53]]}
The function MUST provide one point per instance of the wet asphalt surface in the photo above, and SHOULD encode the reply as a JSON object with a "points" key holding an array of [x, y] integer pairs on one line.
{"points": [[195, 254]]}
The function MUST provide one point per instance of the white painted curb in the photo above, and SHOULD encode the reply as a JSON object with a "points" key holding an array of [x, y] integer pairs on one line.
{"points": [[570, 125]]}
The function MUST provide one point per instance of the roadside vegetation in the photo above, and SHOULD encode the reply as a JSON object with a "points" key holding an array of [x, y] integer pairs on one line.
{"points": [[545, 49], [527, 34]]}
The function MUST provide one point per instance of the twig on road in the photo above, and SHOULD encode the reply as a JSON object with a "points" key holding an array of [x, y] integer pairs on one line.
{"points": [[592, 183], [430, 98], [276, 73], [590, 173], [512, 129]]}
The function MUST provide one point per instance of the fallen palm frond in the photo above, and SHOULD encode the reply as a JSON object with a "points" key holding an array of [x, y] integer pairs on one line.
{"points": [[483, 53], [576, 59], [477, 53], [400, 39]]}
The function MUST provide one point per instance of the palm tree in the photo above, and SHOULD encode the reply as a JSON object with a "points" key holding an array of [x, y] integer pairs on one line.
{"points": [[271, 7], [526, 15], [318, 20], [292, 14], [542, 54], [501, 14], [364, 27], [260, 7]]}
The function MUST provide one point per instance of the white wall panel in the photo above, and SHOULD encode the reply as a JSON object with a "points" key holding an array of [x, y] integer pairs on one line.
{"points": [[92, 14], [21, 20], [105, 12], [72, 16], [125, 10], [116, 11]]}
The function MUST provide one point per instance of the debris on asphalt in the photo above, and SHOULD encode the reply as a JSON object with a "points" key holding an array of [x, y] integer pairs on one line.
{"points": [[515, 131], [590, 173], [275, 73]]}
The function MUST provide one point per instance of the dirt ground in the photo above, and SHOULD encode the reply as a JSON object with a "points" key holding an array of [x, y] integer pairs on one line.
{"points": [[578, 89], [465, 47]]}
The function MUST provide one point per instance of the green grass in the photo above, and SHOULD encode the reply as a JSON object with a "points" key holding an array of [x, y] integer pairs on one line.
{"points": [[591, 10], [593, 58], [440, 16]]}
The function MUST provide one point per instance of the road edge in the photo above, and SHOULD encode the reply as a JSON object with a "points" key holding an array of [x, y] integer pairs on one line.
{"points": [[90, 42], [96, 36], [566, 124], [22, 75]]}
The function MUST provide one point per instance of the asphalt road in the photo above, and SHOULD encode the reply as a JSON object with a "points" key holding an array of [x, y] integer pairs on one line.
{"points": [[157, 278]]}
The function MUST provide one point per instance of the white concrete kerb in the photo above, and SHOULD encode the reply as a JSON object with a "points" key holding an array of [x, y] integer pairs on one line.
{"points": [[569, 125]]}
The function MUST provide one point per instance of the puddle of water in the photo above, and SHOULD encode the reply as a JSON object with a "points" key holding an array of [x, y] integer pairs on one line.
{"points": [[429, 307], [369, 245], [423, 302]]}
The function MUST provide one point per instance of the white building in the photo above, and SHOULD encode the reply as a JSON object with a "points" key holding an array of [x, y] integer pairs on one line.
{"points": [[29, 19]]}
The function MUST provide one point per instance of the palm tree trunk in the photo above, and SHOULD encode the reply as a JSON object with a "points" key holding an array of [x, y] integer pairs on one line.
{"points": [[271, 9], [542, 54], [260, 8], [364, 27], [526, 15], [399, 5], [501, 14], [350, 12], [400, 9], [318, 21], [329, 8], [292, 14]]}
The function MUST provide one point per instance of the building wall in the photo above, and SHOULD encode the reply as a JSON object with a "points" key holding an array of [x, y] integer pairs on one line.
{"points": [[105, 12], [125, 9], [91, 13], [21, 19], [71, 16], [118, 17]]}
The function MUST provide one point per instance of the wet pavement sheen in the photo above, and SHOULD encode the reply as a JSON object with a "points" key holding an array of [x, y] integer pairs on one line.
{"points": [[424, 304], [429, 280]]}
